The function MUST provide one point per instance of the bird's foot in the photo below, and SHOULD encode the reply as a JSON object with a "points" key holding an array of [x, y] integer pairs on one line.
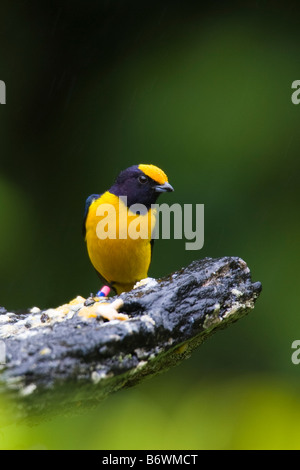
{"points": [[104, 292]]}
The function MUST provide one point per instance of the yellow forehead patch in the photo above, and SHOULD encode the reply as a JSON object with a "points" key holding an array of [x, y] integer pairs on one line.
{"points": [[154, 172]]}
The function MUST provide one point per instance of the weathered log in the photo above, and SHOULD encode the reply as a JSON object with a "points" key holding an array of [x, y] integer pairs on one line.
{"points": [[57, 359]]}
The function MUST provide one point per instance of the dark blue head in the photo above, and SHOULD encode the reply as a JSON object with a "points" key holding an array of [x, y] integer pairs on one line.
{"points": [[141, 184]]}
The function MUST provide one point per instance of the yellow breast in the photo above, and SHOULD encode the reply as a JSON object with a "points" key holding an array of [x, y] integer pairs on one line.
{"points": [[118, 241]]}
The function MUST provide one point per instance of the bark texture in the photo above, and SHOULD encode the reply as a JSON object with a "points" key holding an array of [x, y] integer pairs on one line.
{"points": [[58, 358]]}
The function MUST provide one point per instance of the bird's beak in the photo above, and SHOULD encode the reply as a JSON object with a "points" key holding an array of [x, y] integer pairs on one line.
{"points": [[163, 188]]}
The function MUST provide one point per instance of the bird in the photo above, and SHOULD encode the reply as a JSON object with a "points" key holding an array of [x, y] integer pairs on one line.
{"points": [[121, 254]]}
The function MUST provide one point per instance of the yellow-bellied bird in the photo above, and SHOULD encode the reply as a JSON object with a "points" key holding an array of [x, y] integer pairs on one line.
{"points": [[118, 226]]}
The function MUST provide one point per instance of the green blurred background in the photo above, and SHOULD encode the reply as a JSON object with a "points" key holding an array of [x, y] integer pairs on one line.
{"points": [[204, 93]]}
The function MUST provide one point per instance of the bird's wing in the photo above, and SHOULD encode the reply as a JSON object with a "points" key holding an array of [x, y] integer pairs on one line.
{"points": [[88, 202], [152, 247]]}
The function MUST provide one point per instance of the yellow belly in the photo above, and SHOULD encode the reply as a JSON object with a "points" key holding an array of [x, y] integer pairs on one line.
{"points": [[121, 261]]}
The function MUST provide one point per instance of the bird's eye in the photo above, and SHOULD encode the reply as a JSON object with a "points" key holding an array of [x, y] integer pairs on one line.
{"points": [[142, 179]]}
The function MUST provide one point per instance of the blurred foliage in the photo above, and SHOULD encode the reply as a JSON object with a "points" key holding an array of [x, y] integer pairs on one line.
{"points": [[253, 412], [204, 93]]}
